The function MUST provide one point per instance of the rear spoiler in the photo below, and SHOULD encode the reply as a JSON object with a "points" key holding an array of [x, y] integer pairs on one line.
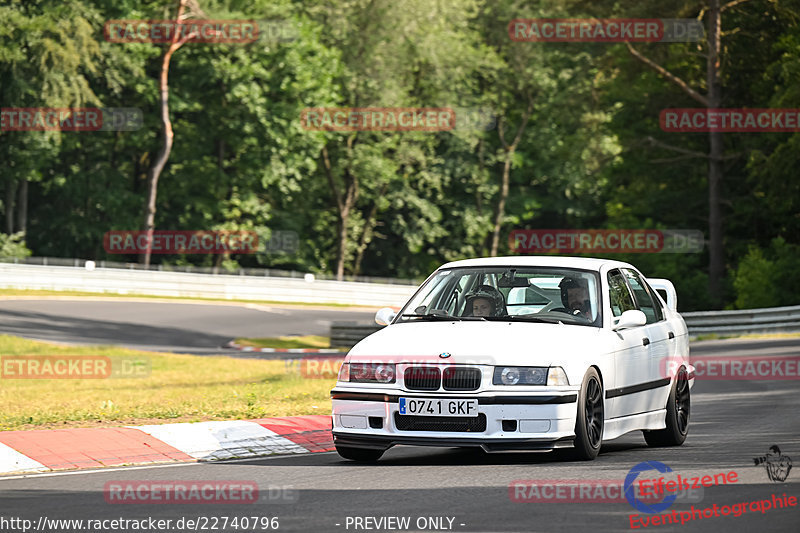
{"points": [[666, 290]]}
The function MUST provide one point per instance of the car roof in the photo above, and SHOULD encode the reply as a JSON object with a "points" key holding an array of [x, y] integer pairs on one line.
{"points": [[586, 263]]}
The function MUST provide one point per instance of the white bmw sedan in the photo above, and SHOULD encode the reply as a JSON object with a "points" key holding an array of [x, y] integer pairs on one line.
{"points": [[519, 353]]}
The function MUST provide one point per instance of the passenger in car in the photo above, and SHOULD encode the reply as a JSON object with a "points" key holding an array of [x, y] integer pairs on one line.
{"points": [[485, 301], [482, 307]]}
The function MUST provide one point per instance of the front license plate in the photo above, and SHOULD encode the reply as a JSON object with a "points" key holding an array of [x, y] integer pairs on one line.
{"points": [[425, 407]]}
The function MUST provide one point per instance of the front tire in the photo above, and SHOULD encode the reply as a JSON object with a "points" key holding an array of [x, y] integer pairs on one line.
{"points": [[590, 418], [362, 455], [678, 408]]}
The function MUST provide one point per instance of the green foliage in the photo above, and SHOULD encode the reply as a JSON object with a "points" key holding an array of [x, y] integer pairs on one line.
{"points": [[242, 161], [13, 246], [768, 278]]}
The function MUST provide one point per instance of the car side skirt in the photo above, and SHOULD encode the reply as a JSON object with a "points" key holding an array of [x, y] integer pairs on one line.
{"points": [[616, 427]]}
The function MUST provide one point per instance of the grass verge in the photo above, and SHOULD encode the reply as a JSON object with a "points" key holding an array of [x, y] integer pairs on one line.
{"points": [[177, 388], [305, 341]]}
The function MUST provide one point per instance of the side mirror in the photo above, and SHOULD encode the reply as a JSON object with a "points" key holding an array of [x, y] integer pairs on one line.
{"points": [[385, 316], [629, 319]]}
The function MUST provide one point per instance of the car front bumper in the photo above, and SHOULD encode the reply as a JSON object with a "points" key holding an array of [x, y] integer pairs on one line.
{"points": [[542, 421]]}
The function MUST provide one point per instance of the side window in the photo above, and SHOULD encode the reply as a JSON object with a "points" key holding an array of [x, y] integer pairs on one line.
{"points": [[650, 307], [619, 295]]}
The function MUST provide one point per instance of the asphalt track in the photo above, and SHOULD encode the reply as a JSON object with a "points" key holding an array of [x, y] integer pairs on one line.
{"points": [[152, 325], [731, 423]]}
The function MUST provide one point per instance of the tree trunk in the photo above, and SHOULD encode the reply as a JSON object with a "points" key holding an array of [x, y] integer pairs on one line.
{"points": [[218, 258], [481, 153], [167, 135], [369, 225], [344, 217], [716, 270], [22, 207], [11, 193], [504, 182], [344, 203], [716, 248], [501, 203]]}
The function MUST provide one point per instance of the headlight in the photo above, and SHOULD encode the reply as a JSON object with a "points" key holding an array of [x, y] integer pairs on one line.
{"points": [[368, 373], [529, 375], [519, 375]]}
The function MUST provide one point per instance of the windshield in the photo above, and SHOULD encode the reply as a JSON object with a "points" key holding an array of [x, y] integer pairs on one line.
{"points": [[532, 294]]}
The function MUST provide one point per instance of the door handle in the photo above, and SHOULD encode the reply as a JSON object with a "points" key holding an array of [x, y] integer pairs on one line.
{"points": [[671, 335], [645, 341]]}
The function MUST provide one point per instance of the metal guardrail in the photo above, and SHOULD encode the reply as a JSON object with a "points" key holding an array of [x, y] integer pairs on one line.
{"points": [[745, 321], [261, 272], [742, 322], [179, 284]]}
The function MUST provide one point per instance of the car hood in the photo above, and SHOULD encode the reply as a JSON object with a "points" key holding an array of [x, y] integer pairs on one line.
{"points": [[471, 342]]}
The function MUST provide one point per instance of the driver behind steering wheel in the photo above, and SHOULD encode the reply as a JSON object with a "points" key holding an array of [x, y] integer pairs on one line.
{"points": [[575, 297], [485, 301]]}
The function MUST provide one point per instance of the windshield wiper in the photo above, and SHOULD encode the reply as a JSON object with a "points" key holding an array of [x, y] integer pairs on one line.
{"points": [[440, 316], [524, 319]]}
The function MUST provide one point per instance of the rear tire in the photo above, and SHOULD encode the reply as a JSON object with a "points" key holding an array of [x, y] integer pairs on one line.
{"points": [[678, 409], [590, 418], [362, 455]]}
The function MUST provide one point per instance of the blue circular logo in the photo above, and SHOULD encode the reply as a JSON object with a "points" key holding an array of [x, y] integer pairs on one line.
{"points": [[629, 488]]}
